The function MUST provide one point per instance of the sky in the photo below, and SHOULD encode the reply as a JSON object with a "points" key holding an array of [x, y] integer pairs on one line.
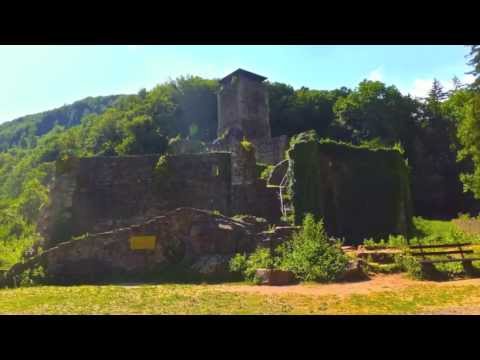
{"points": [[40, 77]]}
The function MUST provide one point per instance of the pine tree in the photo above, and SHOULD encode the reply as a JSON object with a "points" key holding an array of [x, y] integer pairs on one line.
{"points": [[436, 93], [475, 62], [456, 83], [435, 96]]}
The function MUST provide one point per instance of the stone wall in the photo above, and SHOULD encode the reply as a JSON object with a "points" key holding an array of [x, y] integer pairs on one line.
{"points": [[359, 193], [257, 199], [271, 150], [243, 160], [184, 237], [101, 193]]}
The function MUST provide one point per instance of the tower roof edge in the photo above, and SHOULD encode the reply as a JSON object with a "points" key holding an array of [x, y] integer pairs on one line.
{"points": [[244, 73]]}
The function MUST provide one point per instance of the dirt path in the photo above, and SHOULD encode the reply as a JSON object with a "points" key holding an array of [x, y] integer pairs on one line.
{"points": [[457, 310], [375, 284]]}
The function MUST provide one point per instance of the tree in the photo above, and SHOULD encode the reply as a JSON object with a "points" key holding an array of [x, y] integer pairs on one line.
{"points": [[375, 110], [142, 137], [468, 131], [475, 62], [436, 95], [294, 111], [469, 137], [457, 84]]}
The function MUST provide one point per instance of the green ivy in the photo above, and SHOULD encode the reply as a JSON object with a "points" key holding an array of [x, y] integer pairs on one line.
{"points": [[358, 191]]}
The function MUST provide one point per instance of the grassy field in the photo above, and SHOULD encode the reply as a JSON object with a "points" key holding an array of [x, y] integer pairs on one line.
{"points": [[217, 299], [414, 298]]}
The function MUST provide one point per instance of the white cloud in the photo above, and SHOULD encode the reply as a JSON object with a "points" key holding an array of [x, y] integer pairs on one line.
{"points": [[467, 79], [376, 74], [420, 87]]}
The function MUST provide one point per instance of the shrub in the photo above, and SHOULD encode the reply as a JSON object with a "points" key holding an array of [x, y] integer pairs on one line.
{"points": [[393, 241], [11, 251], [311, 255], [248, 265], [31, 277], [411, 265], [238, 264]]}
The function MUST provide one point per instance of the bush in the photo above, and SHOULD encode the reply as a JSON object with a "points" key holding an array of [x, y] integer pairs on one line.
{"points": [[248, 265], [311, 255], [393, 241], [411, 265], [32, 277]]}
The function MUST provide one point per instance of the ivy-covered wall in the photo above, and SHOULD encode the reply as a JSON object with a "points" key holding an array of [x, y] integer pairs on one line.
{"points": [[359, 192]]}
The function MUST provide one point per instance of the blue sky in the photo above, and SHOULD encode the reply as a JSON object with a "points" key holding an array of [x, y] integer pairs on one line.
{"points": [[39, 78]]}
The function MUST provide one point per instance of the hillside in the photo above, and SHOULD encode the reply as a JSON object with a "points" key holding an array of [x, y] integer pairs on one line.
{"points": [[22, 131]]}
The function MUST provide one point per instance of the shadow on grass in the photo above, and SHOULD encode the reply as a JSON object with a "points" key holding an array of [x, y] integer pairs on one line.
{"points": [[172, 277], [434, 274]]}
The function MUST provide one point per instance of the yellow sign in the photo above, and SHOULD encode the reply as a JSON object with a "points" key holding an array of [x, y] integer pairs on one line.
{"points": [[142, 242]]}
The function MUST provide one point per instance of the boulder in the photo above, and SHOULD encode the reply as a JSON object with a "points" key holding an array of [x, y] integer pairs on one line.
{"points": [[274, 277], [212, 266], [355, 271]]}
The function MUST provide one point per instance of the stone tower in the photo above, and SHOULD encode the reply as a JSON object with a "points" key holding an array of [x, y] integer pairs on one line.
{"points": [[243, 106], [243, 112]]}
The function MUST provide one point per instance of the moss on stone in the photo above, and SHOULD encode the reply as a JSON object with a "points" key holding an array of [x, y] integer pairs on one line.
{"points": [[246, 145], [359, 192], [162, 172], [264, 171]]}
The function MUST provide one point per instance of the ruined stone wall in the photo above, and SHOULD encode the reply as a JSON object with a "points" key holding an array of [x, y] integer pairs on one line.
{"points": [[271, 151], [257, 199], [101, 193], [243, 160], [360, 193], [184, 237]]}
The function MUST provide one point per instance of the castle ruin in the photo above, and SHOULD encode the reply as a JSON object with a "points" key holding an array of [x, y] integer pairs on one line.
{"points": [[92, 195]]}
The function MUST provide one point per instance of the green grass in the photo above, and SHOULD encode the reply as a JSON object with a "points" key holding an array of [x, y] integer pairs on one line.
{"points": [[211, 299], [433, 228]]}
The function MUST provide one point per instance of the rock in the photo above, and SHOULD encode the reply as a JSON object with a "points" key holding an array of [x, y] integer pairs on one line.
{"points": [[181, 237], [212, 266], [260, 224], [275, 277], [354, 271]]}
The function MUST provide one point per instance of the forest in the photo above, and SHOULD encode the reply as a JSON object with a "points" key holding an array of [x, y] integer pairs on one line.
{"points": [[439, 135]]}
